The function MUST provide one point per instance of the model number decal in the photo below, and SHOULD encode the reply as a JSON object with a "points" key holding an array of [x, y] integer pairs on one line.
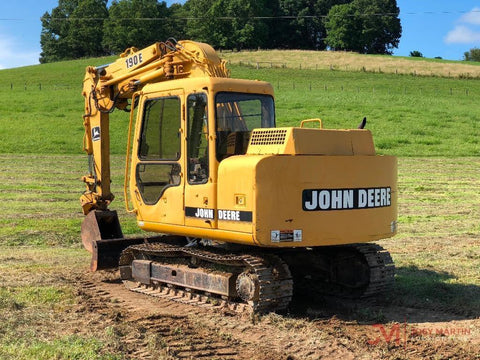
{"points": [[134, 60], [342, 199]]}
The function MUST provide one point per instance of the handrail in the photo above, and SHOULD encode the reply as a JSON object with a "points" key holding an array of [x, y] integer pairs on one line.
{"points": [[312, 120], [127, 158]]}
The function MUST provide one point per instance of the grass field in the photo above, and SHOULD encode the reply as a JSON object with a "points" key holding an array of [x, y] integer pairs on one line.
{"points": [[431, 123], [348, 61], [408, 115]]}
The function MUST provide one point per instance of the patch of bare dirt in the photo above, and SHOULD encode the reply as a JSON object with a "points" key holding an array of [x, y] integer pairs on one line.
{"points": [[143, 327]]}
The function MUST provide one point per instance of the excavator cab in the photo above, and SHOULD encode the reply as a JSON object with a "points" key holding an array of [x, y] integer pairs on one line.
{"points": [[180, 139], [183, 137]]}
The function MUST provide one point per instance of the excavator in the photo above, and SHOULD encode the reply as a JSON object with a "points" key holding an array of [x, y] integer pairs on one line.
{"points": [[239, 213]]}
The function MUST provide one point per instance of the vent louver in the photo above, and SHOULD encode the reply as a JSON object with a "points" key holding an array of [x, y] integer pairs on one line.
{"points": [[268, 137]]}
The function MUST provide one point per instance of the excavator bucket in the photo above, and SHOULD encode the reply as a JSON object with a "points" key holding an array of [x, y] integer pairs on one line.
{"points": [[102, 236], [100, 225]]}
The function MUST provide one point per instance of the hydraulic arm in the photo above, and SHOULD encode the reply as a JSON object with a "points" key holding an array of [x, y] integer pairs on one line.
{"points": [[106, 88]]}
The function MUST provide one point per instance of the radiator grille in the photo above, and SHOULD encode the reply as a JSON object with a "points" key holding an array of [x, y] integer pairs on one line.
{"points": [[268, 137]]}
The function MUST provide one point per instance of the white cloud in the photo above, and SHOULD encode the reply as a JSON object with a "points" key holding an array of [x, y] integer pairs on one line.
{"points": [[472, 17], [13, 56], [462, 35], [468, 31]]}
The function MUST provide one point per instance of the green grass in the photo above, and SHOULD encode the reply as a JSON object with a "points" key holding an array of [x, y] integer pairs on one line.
{"points": [[37, 303], [40, 198], [68, 347], [437, 248], [408, 115]]}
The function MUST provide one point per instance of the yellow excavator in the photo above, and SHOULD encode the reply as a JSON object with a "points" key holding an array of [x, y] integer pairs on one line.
{"points": [[246, 214]]}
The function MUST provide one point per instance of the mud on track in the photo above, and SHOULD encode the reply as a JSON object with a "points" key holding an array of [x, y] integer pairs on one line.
{"points": [[153, 328]]}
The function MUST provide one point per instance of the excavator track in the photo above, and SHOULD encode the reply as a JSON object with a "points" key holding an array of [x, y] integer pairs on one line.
{"points": [[381, 267], [349, 271], [263, 283]]}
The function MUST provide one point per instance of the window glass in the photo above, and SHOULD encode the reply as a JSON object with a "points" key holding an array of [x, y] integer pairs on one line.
{"points": [[197, 139], [237, 114], [159, 141], [154, 179], [160, 136]]}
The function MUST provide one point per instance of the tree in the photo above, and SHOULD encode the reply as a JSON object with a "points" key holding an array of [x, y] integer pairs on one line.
{"points": [[137, 23], [303, 26], [228, 24], [416, 53], [86, 28], [73, 30], [364, 26], [177, 22], [343, 29], [472, 55], [55, 30]]}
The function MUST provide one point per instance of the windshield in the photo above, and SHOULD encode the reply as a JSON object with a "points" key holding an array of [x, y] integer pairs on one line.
{"points": [[237, 114]]}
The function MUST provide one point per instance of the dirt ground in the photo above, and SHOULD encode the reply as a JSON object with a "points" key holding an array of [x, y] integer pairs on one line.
{"points": [[143, 327]]}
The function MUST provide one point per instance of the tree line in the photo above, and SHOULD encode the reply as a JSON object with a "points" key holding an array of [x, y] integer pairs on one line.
{"points": [[89, 28]]}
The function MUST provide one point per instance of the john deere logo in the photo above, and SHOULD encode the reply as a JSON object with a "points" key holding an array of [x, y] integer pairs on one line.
{"points": [[342, 199], [96, 133]]}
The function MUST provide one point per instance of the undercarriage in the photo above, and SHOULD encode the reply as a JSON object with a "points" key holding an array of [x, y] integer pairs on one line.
{"points": [[253, 280]]}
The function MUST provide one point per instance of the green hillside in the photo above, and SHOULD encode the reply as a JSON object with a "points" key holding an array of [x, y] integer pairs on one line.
{"points": [[41, 107]]}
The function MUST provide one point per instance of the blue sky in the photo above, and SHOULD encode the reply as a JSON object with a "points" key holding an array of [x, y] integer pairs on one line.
{"points": [[443, 28]]}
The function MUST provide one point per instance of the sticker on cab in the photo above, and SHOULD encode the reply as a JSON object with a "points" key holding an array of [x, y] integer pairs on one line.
{"points": [[277, 236]]}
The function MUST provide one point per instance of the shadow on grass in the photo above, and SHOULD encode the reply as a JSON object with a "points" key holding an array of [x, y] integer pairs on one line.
{"points": [[418, 296], [436, 291]]}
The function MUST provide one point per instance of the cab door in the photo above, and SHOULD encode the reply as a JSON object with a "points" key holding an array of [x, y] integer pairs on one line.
{"points": [[200, 184], [157, 166]]}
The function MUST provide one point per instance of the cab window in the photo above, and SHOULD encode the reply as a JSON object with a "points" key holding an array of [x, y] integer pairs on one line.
{"points": [[159, 148], [237, 114], [197, 139]]}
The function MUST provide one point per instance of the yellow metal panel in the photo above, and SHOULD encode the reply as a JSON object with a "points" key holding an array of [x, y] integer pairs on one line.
{"points": [[168, 210], [214, 234], [281, 180], [236, 186], [296, 141]]}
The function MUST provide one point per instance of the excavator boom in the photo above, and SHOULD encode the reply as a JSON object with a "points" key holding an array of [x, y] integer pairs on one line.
{"points": [[107, 88]]}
